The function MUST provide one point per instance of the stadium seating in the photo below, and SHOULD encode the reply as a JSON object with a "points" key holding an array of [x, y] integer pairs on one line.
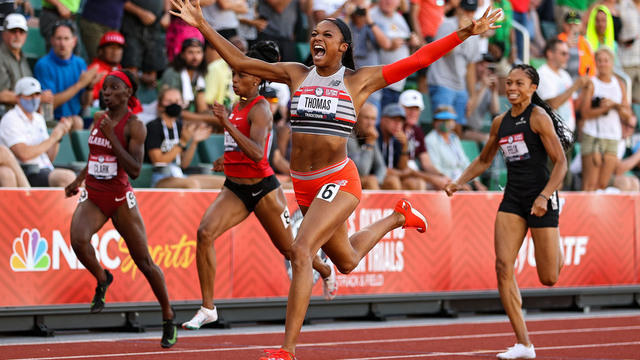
{"points": [[80, 143], [426, 116], [470, 148], [212, 148], [34, 47], [636, 110]]}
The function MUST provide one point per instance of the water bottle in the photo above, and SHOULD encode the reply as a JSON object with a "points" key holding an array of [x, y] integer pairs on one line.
{"points": [[47, 112]]}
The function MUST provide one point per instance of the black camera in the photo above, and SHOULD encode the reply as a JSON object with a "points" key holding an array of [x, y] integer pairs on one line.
{"points": [[595, 102], [359, 11]]}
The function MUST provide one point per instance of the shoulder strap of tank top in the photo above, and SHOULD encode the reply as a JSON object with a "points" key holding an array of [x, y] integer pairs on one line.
{"points": [[254, 101]]}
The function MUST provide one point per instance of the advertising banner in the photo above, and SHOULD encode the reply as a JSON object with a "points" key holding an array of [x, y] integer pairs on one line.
{"points": [[599, 238]]}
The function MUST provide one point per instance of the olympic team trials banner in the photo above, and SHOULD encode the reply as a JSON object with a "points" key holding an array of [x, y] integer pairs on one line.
{"points": [[38, 267]]}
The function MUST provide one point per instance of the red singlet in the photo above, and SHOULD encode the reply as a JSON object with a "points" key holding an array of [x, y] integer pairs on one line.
{"points": [[236, 163], [104, 173]]}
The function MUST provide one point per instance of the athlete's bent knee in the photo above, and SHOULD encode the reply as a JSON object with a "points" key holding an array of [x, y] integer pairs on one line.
{"points": [[206, 236], [549, 279], [347, 267], [300, 257]]}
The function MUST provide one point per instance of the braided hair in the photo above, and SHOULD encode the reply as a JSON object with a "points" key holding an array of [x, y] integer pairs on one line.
{"points": [[566, 136]]}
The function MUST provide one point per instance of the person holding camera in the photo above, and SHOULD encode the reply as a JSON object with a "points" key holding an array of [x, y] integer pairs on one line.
{"points": [[603, 116]]}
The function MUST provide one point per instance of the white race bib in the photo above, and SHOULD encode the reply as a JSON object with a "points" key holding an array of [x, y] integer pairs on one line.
{"points": [[230, 143], [103, 167], [514, 148], [322, 104]]}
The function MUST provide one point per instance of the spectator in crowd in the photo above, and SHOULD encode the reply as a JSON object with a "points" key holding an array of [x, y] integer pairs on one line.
{"points": [[177, 32], [422, 171], [521, 15], [170, 146], [556, 86], [538, 40], [483, 101], [600, 29], [56, 11], [629, 49], [365, 38], [98, 17], [394, 45], [502, 45], [250, 23], [281, 17], [109, 57], [393, 145], [581, 61], [563, 7], [222, 15], [628, 158], [15, 6], [144, 51], [321, 10], [604, 109], [11, 174], [24, 131], [445, 148], [186, 73], [66, 75], [363, 149], [614, 11], [218, 81], [426, 16], [13, 63], [451, 77]]}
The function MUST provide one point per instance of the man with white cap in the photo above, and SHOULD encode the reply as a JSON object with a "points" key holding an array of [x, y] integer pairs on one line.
{"points": [[24, 131], [423, 170], [13, 63]]}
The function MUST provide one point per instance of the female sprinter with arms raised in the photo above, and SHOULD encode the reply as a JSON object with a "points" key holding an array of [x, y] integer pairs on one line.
{"points": [[325, 101], [529, 134], [251, 185]]}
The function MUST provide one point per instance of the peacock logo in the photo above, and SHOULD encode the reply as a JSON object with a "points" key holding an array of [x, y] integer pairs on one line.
{"points": [[30, 252]]}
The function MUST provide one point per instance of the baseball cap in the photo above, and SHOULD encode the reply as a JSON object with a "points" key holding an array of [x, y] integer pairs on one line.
{"points": [[572, 17], [111, 37], [15, 21], [411, 98], [393, 110], [470, 5], [27, 86]]}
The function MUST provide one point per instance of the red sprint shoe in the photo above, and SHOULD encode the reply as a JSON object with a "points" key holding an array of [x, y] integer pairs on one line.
{"points": [[279, 354], [412, 217]]}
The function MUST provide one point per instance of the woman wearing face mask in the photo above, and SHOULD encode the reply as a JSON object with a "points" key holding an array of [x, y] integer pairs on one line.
{"points": [[445, 149], [251, 185], [24, 132], [116, 149], [171, 144]]}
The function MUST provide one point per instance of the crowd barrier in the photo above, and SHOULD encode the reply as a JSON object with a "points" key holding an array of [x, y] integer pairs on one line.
{"points": [[599, 233]]}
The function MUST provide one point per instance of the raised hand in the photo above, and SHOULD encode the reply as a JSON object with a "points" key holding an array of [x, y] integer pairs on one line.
{"points": [[187, 11], [201, 133], [106, 126], [485, 23]]}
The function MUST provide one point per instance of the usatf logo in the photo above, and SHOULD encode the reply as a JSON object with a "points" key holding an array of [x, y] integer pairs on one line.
{"points": [[30, 252]]}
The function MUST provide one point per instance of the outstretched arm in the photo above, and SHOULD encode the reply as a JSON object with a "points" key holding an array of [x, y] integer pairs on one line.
{"points": [[278, 72], [376, 77]]}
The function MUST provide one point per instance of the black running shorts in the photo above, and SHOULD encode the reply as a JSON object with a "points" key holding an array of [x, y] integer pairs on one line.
{"points": [[251, 194], [521, 206]]}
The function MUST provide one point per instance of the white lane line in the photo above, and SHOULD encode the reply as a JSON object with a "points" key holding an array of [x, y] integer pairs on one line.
{"points": [[469, 353], [364, 342]]}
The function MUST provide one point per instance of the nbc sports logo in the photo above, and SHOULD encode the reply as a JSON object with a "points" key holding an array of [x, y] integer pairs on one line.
{"points": [[30, 252]]}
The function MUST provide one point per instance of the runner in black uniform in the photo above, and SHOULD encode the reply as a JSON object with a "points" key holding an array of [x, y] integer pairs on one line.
{"points": [[528, 134]]}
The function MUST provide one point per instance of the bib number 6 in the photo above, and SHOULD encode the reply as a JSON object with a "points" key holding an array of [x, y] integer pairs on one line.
{"points": [[328, 192]]}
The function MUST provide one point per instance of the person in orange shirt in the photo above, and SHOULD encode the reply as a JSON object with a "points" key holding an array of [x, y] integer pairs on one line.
{"points": [[581, 59], [109, 56]]}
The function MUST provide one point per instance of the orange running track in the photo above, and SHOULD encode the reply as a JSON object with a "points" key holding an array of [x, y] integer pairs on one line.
{"points": [[598, 337]]}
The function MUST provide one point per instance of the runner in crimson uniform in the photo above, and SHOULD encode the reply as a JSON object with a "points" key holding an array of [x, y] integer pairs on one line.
{"points": [[251, 185], [529, 135], [325, 114], [116, 150]]}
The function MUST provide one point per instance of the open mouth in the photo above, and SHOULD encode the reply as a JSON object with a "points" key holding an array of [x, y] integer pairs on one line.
{"points": [[318, 51]]}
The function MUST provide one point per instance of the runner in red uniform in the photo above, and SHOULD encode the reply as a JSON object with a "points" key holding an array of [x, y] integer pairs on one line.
{"points": [[251, 186], [116, 150]]}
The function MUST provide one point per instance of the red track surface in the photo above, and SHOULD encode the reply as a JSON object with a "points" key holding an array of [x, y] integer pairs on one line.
{"points": [[588, 338]]}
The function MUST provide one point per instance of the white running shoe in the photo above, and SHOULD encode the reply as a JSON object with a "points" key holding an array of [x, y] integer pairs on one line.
{"points": [[203, 316], [330, 285], [518, 351]]}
